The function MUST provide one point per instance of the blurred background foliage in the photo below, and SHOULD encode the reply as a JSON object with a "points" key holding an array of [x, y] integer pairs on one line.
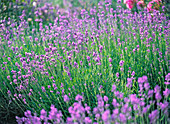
{"points": [[49, 8]]}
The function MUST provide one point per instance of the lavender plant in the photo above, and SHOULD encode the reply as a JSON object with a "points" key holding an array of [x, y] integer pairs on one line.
{"points": [[82, 64], [130, 109]]}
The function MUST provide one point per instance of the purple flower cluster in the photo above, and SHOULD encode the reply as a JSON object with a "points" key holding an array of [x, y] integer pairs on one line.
{"points": [[122, 112]]}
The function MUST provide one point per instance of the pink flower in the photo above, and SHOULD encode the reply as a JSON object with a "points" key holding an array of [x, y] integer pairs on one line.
{"points": [[155, 4], [149, 6], [141, 3], [129, 3], [157, 1]]}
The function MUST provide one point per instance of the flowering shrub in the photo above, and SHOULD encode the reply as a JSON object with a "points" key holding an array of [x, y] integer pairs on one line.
{"points": [[129, 3], [124, 108], [154, 4], [87, 68]]}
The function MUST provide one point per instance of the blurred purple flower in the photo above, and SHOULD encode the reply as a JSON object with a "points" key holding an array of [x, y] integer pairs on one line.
{"points": [[79, 98], [106, 98], [43, 114], [166, 92], [121, 63], [66, 98], [105, 116]]}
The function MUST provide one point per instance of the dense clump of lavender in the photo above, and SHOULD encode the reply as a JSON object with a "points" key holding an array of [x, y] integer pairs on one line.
{"points": [[104, 52], [127, 109]]}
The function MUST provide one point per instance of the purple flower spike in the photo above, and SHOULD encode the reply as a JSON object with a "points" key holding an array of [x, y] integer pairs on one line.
{"points": [[106, 98], [167, 77], [66, 98], [121, 63], [146, 86], [110, 59], [153, 116], [157, 89], [158, 96], [164, 105], [113, 88], [143, 79], [87, 120], [79, 98], [43, 114], [28, 114], [8, 77], [117, 74], [88, 58], [133, 73], [105, 116], [166, 92], [134, 99], [122, 118], [43, 89]]}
